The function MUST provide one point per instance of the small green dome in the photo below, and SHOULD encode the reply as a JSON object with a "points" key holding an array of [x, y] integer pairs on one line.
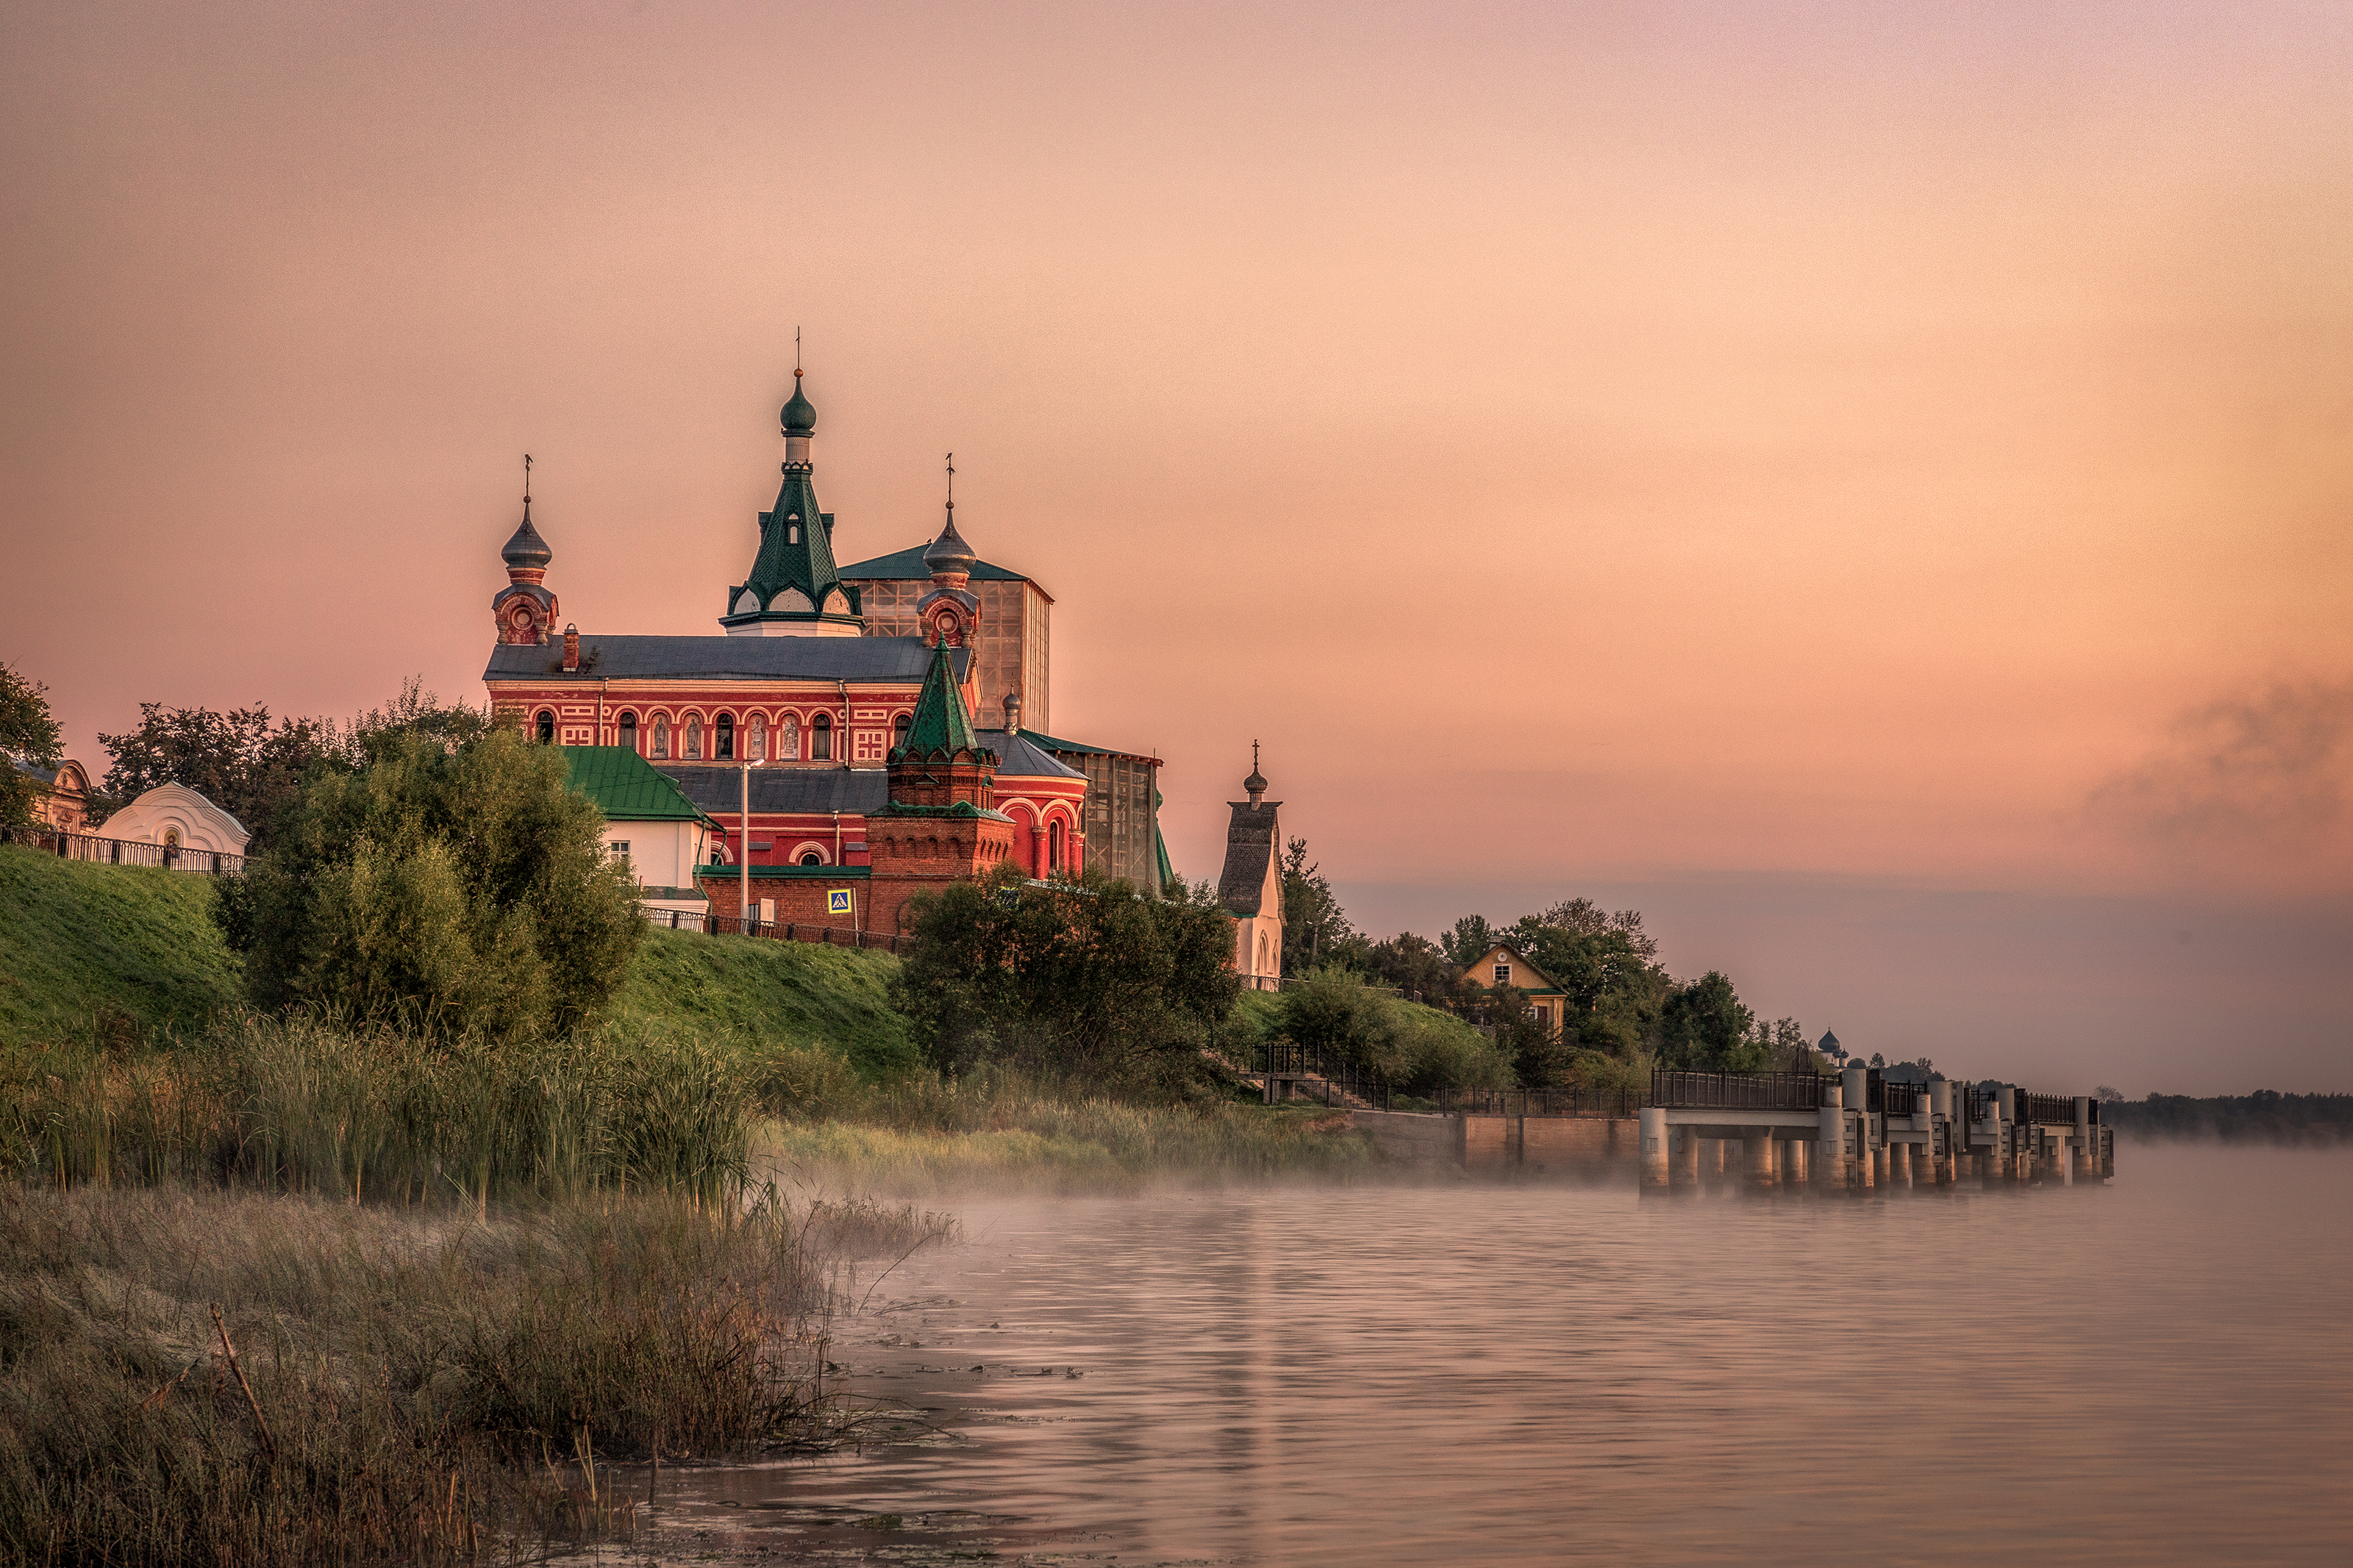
{"points": [[800, 414]]}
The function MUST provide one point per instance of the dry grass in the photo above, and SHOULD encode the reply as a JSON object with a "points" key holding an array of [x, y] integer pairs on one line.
{"points": [[425, 1385], [924, 1137]]}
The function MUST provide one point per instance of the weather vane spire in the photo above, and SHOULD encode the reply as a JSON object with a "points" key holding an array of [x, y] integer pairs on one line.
{"points": [[526, 487], [796, 353], [950, 484]]}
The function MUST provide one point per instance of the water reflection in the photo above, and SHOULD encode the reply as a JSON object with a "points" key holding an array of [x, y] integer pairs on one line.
{"points": [[2153, 1373]]}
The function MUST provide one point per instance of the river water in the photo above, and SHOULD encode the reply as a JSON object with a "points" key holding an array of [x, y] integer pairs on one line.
{"points": [[2156, 1372]]}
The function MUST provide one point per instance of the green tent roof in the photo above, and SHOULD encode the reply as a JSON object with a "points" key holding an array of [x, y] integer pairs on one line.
{"points": [[909, 563], [626, 787], [942, 725]]}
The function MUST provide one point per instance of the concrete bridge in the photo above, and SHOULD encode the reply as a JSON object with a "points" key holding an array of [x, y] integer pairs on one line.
{"points": [[1850, 1133], [1862, 1132]]}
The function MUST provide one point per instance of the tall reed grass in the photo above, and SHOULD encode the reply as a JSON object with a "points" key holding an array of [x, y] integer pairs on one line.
{"points": [[296, 1105]]}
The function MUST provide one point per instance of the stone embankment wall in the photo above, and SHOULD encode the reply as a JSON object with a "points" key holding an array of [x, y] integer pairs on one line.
{"points": [[1498, 1145]]}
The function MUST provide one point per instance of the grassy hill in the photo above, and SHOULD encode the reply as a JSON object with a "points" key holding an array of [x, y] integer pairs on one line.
{"points": [[77, 939], [775, 992]]}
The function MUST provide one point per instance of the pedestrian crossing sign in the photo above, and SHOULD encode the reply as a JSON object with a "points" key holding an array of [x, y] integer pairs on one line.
{"points": [[836, 901]]}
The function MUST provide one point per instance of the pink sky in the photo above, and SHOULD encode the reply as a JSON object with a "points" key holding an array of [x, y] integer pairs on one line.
{"points": [[1871, 487]]}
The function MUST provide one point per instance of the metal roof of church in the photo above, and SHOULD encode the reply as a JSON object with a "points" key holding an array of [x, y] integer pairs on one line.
{"points": [[1021, 755], [720, 658], [909, 563], [862, 791], [626, 787]]}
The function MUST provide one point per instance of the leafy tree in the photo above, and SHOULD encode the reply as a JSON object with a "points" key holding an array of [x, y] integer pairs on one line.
{"points": [[1314, 928], [1087, 977], [236, 760], [1540, 1056], [1470, 939], [1704, 1026], [463, 885], [28, 738], [1613, 994], [1785, 1047], [1584, 918], [251, 770], [1418, 967]]}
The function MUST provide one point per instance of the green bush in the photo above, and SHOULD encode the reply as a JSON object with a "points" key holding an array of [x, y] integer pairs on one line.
{"points": [[1415, 1048], [441, 885], [1089, 978]]}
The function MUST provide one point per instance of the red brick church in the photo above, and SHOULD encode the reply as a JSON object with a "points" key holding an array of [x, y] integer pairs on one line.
{"points": [[852, 692]]}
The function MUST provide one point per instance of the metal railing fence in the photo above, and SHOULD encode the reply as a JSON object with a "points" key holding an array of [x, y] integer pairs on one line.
{"points": [[1738, 1090], [2046, 1110], [98, 849]]}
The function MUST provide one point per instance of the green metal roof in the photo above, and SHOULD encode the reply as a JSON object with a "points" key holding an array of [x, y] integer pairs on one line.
{"points": [[908, 563], [627, 788], [1039, 738], [942, 726]]}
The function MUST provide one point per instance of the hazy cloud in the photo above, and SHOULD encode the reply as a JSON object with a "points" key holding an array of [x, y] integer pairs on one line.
{"points": [[2270, 766]]}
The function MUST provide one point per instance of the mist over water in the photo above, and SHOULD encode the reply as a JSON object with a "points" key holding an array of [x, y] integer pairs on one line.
{"points": [[2152, 1372]]}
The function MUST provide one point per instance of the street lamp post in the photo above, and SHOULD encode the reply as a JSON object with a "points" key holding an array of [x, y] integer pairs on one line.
{"points": [[744, 848]]}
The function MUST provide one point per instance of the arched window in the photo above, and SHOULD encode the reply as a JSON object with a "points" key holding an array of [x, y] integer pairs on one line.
{"points": [[694, 739], [661, 735], [899, 728], [759, 743], [812, 858], [629, 730], [1054, 845], [788, 740], [546, 726], [821, 737], [725, 750]]}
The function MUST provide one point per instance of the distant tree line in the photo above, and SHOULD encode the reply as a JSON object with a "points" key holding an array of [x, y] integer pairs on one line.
{"points": [[1621, 1008], [2266, 1116]]}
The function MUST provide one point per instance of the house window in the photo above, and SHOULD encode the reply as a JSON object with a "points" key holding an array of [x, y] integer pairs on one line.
{"points": [[620, 849], [1054, 845], [899, 728], [546, 726], [726, 738], [1502, 971], [812, 858], [759, 752], [661, 737], [694, 738], [821, 737], [629, 730]]}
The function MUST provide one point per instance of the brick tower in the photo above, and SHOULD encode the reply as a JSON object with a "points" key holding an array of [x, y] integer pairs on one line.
{"points": [[942, 824]]}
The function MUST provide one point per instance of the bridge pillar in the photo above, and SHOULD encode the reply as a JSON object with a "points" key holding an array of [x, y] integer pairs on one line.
{"points": [[1756, 1143], [1882, 1164], [1714, 1157], [1830, 1146], [1794, 1162], [1901, 1175], [1654, 1148], [1686, 1173]]}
